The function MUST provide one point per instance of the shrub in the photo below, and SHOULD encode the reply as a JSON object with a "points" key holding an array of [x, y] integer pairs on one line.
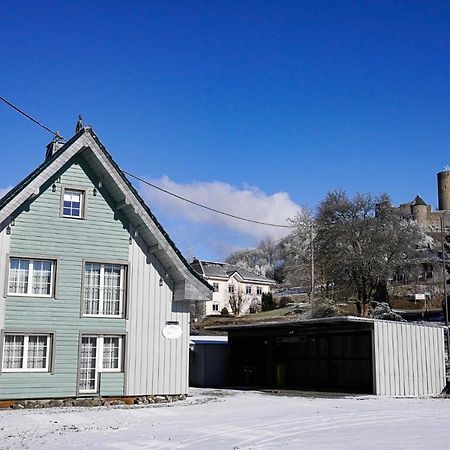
{"points": [[283, 302], [225, 312], [267, 302]]}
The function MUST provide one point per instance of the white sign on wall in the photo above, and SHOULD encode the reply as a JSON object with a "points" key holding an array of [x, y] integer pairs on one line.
{"points": [[172, 332]]}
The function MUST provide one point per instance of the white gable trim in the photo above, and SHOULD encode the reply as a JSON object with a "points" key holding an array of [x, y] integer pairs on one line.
{"points": [[237, 276]]}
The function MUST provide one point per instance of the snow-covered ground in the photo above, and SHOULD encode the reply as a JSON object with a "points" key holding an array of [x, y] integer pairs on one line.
{"points": [[236, 420]]}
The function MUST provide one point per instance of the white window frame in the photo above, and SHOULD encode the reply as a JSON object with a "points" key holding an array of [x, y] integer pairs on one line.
{"points": [[99, 359], [82, 202], [101, 340], [29, 292], [259, 290], [215, 307], [248, 289], [216, 286], [122, 288], [24, 367], [231, 288]]}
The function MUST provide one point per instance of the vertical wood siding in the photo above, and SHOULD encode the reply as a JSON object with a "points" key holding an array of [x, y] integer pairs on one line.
{"points": [[4, 251], [408, 359], [154, 364], [40, 231]]}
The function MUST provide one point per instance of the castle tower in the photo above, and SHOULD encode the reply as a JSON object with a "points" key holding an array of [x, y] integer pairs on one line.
{"points": [[419, 210], [443, 179]]}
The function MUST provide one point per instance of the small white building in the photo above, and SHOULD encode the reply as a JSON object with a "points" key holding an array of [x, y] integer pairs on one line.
{"points": [[208, 361], [232, 285]]}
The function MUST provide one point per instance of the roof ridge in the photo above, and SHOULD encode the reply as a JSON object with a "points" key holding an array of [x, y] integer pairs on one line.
{"points": [[213, 262]]}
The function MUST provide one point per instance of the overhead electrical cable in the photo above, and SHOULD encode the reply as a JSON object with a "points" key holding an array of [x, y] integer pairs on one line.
{"points": [[192, 202], [55, 133]]}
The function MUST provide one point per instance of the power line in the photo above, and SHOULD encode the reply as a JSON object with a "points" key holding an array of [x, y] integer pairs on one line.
{"points": [[192, 202], [56, 133]]}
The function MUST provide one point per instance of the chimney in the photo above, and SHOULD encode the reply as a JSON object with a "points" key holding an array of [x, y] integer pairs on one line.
{"points": [[56, 143]]}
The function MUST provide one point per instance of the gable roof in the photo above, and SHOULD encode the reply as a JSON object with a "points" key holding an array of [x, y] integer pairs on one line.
{"points": [[225, 270], [122, 191]]}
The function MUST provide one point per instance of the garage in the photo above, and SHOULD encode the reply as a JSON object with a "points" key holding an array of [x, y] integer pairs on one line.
{"points": [[338, 354], [208, 361]]}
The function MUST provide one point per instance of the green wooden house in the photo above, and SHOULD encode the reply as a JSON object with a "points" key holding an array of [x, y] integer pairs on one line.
{"points": [[94, 295]]}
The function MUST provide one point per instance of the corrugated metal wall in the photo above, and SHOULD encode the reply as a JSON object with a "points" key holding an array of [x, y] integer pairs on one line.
{"points": [[154, 364], [408, 359]]}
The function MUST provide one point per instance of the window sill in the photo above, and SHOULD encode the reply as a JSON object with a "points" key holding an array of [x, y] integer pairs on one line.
{"points": [[73, 217], [101, 316]]}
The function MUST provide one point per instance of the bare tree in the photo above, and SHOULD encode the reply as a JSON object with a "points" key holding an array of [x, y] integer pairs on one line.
{"points": [[297, 267], [361, 242], [236, 301], [197, 310]]}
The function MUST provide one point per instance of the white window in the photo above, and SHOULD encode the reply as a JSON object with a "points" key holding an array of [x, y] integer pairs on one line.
{"points": [[259, 290], [216, 287], [26, 353], [34, 277], [112, 350], [104, 289], [215, 307], [73, 203], [98, 354], [248, 289], [231, 288]]}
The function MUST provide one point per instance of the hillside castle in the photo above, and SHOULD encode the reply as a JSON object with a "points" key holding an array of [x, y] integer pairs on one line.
{"points": [[428, 277], [422, 212]]}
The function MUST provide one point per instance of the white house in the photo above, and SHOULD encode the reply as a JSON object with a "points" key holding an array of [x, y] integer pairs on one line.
{"points": [[231, 282]]}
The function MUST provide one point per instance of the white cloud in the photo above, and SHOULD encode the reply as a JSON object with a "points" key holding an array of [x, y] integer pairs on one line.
{"points": [[3, 191], [248, 201]]}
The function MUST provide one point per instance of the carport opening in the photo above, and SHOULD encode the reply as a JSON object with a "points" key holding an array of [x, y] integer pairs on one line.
{"points": [[290, 358]]}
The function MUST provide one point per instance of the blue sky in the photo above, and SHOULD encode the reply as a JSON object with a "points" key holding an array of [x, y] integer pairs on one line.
{"points": [[266, 104]]}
